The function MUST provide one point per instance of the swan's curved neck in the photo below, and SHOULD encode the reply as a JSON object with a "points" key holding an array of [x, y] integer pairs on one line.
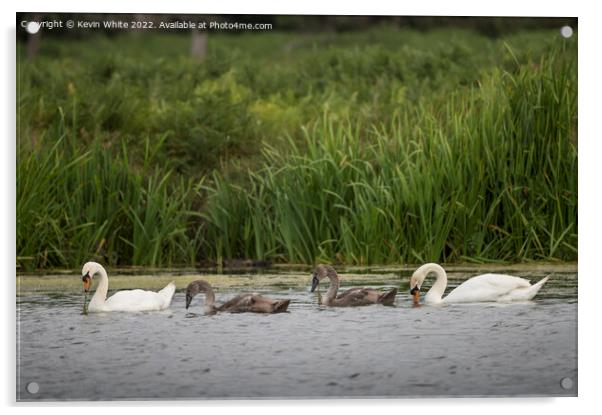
{"points": [[209, 304], [100, 295], [333, 288], [435, 294]]}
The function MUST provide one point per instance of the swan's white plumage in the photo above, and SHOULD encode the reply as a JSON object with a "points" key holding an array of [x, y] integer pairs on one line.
{"points": [[139, 300], [492, 287], [127, 300], [482, 288]]}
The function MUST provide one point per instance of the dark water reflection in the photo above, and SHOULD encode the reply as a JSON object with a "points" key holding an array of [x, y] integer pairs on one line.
{"points": [[376, 351]]}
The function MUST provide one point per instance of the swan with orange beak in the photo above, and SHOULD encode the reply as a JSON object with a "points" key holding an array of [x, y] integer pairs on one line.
{"points": [[482, 288], [126, 300]]}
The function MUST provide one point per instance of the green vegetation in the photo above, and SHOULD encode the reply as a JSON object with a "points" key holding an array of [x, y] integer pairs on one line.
{"points": [[380, 146]]}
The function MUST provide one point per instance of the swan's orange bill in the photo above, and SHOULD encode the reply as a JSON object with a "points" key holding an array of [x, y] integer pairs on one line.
{"points": [[87, 282], [416, 297]]}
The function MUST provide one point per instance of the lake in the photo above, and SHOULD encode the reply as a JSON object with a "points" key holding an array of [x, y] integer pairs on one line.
{"points": [[487, 349]]}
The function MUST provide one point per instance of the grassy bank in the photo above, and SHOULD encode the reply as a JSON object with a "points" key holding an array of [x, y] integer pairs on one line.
{"points": [[382, 146]]}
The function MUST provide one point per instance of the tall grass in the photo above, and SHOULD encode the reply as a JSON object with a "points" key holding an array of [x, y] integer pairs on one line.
{"points": [[251, 88], [73, 206], [489, 175], [372, 147]]}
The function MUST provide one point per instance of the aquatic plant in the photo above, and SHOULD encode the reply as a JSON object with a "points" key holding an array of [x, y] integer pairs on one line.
{"points": [[74, 206], [488, 174], [356, 148]]}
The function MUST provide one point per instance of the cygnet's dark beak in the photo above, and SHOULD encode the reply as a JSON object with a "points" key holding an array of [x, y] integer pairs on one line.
{"points": [[188, 300], [314, 283]]}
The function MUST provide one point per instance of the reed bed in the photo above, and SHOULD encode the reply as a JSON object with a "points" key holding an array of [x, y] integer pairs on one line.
{"points": [[73, 207], [355, 149], [489, 175]]}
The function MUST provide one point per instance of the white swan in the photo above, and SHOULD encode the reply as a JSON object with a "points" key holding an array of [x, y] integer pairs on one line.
{"points": [[129, 300], [482, 288]]}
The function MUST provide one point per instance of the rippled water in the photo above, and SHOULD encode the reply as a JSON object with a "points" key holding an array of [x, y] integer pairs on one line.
{"points": [[311, 351]]}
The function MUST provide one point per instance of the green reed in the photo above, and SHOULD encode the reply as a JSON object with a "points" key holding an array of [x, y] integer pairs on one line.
{"points": [[73, 207], [490, 174], [383, 146]]}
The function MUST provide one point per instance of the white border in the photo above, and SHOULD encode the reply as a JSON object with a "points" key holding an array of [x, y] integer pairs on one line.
{"points": [[590, 245], [373, 7]]}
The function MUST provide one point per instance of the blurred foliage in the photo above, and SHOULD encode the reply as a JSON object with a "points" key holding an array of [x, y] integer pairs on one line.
{"points": [[151, 112]]}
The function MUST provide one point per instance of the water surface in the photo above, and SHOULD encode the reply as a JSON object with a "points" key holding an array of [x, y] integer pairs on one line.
{"points": [[311, 351]]}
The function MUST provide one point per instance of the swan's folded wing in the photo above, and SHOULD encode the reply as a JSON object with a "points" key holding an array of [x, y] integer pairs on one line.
{"points": [[135, 300], [236, 304], [486, 287], [348, 292], [358, 296]]}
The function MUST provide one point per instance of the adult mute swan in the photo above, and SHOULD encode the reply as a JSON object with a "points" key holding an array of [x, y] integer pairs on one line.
{"points": [[351, 297], [482, 288], [244, 303], [128, 300]]}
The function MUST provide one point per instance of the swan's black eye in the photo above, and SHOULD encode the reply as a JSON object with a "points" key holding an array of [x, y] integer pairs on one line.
{"points": [[86, 277]]}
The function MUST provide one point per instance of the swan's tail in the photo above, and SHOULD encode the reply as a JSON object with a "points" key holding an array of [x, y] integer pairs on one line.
{"points": [[533, 290], [388, 297], [168, 292]]}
